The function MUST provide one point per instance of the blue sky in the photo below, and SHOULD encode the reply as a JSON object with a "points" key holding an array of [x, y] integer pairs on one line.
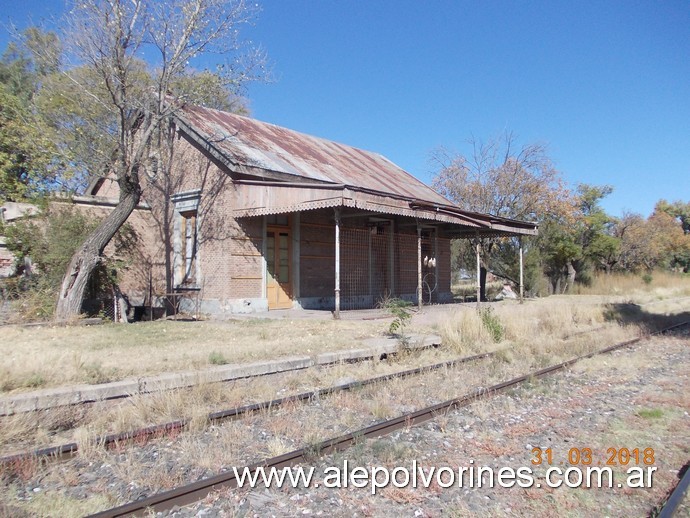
{"points": [[605, 84]]}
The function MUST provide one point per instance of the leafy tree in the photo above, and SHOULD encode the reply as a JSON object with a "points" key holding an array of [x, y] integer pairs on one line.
{"points": [[35, 55], [678, 209], [27, 153], [641, 244], [627, 229], [108, 36], [663, 243], [502, 179], [49, 239], [596, 237], [559, 252]]}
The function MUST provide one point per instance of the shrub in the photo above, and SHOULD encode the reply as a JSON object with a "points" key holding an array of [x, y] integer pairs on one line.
{"points": [[400, 309], [216, 358], [492, 324], [650, 413], [49, 240]]}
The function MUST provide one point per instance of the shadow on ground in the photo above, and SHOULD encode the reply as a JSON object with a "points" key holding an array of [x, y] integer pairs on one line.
{"points": [[634, 314]]}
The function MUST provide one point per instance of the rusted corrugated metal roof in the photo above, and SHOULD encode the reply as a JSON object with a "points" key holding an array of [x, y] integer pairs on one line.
{"points": [[261, 145]]}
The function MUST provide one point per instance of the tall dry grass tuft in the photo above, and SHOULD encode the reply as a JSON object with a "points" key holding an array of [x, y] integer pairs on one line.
{"points": [[464, 332], [540, 332], [91, 446]]}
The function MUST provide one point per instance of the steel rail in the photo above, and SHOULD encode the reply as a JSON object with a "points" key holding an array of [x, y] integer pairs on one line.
{"points": [[196, 491], [670, 506], [65, 451]]}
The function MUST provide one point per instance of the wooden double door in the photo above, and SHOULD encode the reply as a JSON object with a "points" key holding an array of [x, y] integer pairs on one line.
{"points": [[278, 268]]}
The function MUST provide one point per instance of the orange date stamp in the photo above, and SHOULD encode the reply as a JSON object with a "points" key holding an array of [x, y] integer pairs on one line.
{"points": [[588, 456]]}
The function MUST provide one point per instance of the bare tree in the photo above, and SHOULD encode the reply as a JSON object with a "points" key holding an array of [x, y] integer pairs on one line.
{"points": [[502, 179], [113, 38]]}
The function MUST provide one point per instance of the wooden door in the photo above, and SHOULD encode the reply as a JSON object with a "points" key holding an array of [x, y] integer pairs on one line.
{"points": [[278, 269]]}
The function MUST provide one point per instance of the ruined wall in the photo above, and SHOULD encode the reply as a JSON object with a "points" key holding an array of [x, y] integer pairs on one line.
{"points": [[6, 260]]}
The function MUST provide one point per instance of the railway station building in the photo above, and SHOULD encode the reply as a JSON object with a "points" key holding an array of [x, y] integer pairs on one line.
{"points": [[255, 217]]}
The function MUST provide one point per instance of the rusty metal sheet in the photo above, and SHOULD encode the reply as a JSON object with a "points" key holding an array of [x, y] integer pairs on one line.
{"points": [[259, 200], [257, 144]]}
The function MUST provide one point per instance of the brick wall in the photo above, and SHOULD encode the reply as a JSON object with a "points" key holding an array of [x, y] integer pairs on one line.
{"points": [[229, 251], [231, 268], [317, 253], [443, 269], [138, 263]]}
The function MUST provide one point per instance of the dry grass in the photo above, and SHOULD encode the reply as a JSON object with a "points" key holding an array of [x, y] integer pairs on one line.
{"points": [[523, 325], [51, 505], [62, 425], [662, 285], [53, 356], [267, 433], [535, 334]]}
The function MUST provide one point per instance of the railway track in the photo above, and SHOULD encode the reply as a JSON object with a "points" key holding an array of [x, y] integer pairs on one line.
{"points": [[675, 499], [69, 450], [66, 451], [194, 492]]}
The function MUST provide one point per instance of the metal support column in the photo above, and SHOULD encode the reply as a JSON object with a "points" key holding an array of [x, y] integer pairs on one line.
{"points": [[479, 274], [419, 266], [336, 314], [522, 276]]}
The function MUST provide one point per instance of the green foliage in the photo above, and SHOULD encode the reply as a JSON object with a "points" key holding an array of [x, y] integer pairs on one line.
{"points": [[570, 247], [32, 297], [210, 90], [501, 178], [595, 233], [28, 60], [49, 240], [576, 235], [678, 209], [650, 413], [27, 150], [492, 324], [217, 358], [400, 309], [647, 278]]}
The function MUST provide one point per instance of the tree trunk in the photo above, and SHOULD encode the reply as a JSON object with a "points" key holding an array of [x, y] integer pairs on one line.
{"points": [[168, 243], [571, 275], [87, 257]]}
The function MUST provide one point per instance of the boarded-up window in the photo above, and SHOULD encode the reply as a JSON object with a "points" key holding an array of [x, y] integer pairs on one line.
{"points": [[188, 228]]}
